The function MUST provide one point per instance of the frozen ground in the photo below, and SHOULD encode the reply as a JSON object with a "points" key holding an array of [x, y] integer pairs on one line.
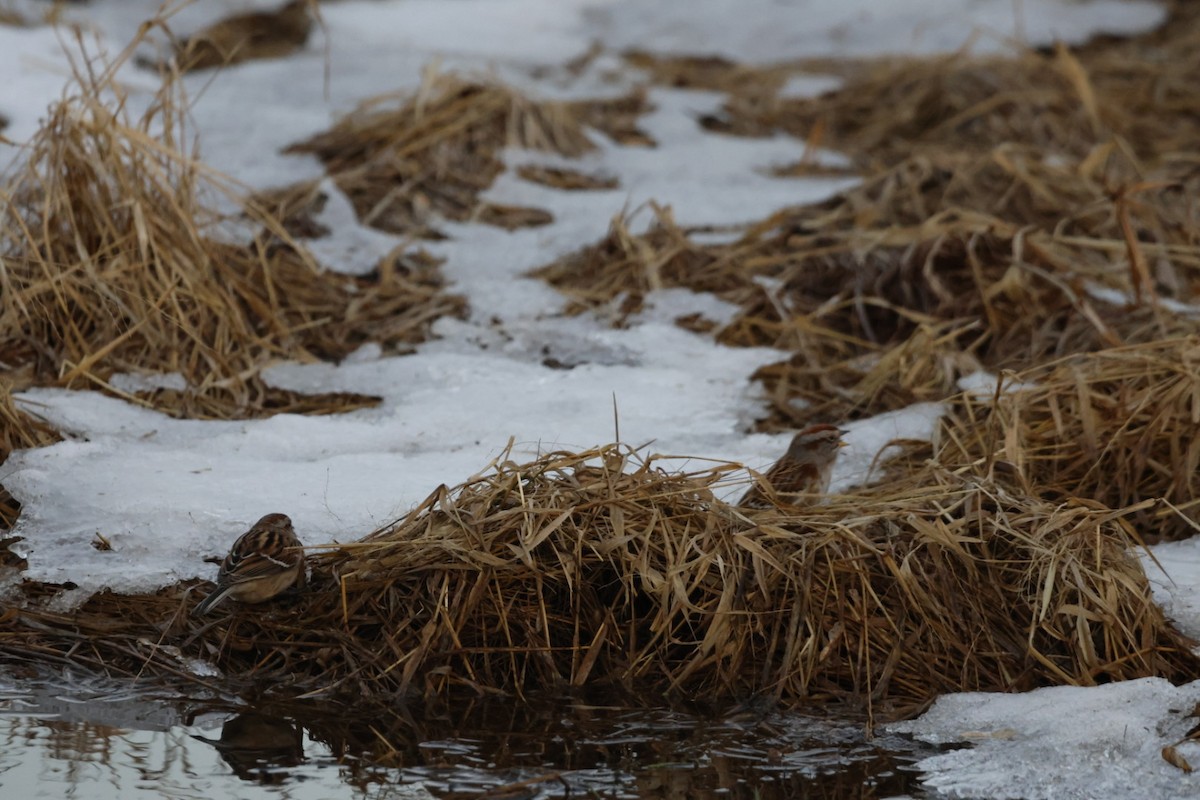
{"points": [[1062, 742], [167, 492]]}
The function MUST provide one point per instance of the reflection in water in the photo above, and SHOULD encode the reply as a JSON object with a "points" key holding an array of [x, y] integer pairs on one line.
{"points": [[258, 747], [100, 740]]}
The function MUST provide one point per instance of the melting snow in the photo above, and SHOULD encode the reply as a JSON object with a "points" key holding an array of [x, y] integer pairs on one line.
{"points": [[167, 492]]}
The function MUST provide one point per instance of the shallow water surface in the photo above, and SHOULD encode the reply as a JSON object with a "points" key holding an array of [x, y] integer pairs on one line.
{"points": [[77, 737]]}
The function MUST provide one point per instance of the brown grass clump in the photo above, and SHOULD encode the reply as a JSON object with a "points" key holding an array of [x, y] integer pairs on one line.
{"points": [[296, 207], [1118, 427], [566, 179], [18, 431], [979, 103], [434, 152], [13, 19], [964, 251], [1000, 194], [616, 117], [753, 89], [851, 282], [246, 37], [111, 263], [713, 73], [821, 383], [625, 266], [603, 567], [1063, 102]]}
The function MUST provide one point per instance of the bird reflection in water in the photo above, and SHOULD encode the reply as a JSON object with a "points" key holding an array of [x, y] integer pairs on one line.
{"points": [[259, 748]]}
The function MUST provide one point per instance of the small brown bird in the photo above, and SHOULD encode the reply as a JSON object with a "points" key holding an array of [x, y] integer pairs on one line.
{"points": [[264, 562], [802, 473]]}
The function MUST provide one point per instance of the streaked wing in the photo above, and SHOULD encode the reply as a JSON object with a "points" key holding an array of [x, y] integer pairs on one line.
{"points": [[256, 555], [790, 477], [258, 565]]}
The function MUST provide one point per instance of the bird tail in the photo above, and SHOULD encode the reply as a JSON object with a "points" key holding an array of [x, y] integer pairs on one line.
{"points": [[212, 601]]}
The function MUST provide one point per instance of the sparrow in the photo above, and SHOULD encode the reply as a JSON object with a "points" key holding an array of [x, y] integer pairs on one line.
{"points": [[802, 472], [264, 562]]}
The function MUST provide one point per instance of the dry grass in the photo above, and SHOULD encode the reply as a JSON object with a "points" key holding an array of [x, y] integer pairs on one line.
{"points": [[1062, 102], [405, 160], [13, 19], [112, 263], [623, 267], [1117, 427], [616, 117], [246, 37], [18, 430], [1001, 557], [1000, 196], [607, 567], [828, 379], [566, 179], [860, 293], [296, 207], [962, 251]]}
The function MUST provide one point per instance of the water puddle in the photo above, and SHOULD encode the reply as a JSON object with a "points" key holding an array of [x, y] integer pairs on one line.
{"points": [[80, 737]]}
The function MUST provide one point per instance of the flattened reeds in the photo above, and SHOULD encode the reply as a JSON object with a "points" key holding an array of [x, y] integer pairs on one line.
{"points": [[1013, 210], [1004, 561], [601, 567], [18, 430], [1062, 101], [245, 37], [402, 159], [625, 267], [962, 250], [1118, 427], [110, 262]]}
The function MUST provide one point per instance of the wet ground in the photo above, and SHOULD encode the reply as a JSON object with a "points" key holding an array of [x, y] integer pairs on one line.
{"points": [[73, 736]]}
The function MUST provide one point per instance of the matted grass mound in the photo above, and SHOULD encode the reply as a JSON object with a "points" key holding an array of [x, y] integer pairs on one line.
{"points": [[623, 267], [600, 567], [867, 280], [1013, 210], [890, 292], [405, 159], [1063, 101], [111, 262], [18, 430], [246, 37], [1118, 426]]}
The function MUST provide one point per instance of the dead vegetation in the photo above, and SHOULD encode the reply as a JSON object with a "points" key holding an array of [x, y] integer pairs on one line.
{"points": [[405, 160], [1013, 210], [1013, 218], [566, 179], [297, 208], [1117, 427], [607, 567], [246, 37], [901, 268], [1062, 102], [113, 263], [18, 431], [712, 73]]}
